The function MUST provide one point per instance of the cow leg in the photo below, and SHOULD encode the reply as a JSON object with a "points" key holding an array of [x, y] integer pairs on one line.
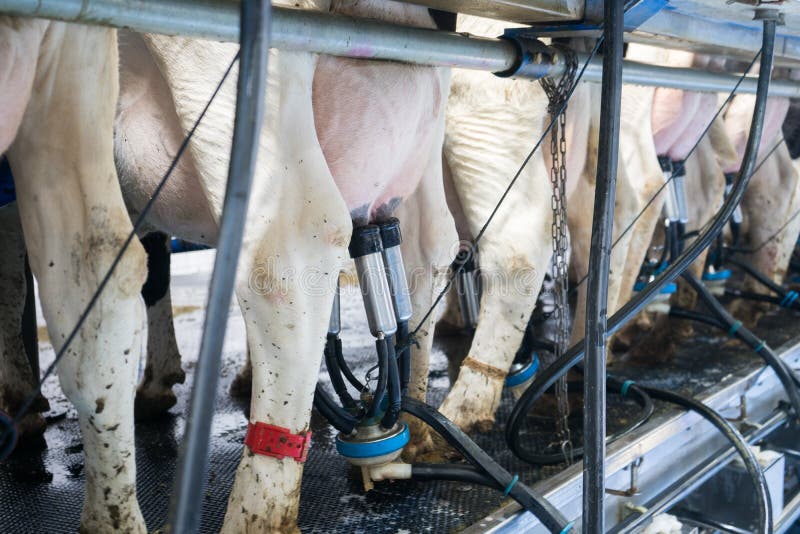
{"points": [[771, 199], [294, 248], [429, 239], [512, 270], [17, 380], [75, 222], [513, 259], [154, 395]]}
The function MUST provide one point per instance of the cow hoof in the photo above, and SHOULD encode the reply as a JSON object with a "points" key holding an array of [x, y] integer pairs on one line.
{"points": [[648, 354], [242, 385], [151, 404], [31, 428], [429, 447], [33, 424], [420, 442]]}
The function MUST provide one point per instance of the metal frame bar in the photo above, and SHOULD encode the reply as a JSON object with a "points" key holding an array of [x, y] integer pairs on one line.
{"points": [[594, 382], [342, 36], [193, 463], [665, 436]]}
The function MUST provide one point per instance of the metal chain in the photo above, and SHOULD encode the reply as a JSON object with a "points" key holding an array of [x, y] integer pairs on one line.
{"points": [[557, 94]]}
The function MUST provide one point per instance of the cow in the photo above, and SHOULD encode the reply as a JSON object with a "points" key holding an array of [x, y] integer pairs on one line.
{"points": [[680, 120], [768, 233], [57, 132], [324, 168], [491, 127]]}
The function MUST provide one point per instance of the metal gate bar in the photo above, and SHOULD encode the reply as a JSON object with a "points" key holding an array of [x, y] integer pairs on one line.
{"points": [[343, 36]]}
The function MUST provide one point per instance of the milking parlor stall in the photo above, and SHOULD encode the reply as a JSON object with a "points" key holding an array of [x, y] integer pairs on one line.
{"points": [[400, 266]]}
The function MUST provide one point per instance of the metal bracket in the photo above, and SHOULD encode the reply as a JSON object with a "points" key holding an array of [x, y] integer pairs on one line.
{"points": [[742, 411], [633, 490], [769, 13]]}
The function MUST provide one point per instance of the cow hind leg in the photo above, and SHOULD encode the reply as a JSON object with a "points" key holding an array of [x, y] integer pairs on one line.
{"points": [[17, 380], [429, 239], [75, 223], [154, 395], [294, 247]]}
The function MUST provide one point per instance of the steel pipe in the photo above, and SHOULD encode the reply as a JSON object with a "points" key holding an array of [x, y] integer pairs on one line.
{"points": [[311, 31]]}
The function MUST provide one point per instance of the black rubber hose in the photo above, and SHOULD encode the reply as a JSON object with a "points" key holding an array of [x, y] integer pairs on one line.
{"points": [[758, 276], [336, 374], [680, 313], [342, 364], [547, 377], [738, 442], [336, 416], [596, 327], [666, 252], [525, 496], [382, 347], [454, 473], [735, 327], [760, 297], [680, 237], [404, 356], [674, 240], [626, 389], [393, 388]]}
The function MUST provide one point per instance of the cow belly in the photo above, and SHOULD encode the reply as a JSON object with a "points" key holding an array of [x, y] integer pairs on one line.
{"points": [[19, 42], [374, 121], [148, 135]]}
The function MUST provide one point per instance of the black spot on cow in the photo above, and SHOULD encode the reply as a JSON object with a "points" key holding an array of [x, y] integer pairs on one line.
{"points": [[156, 244], [791, 129]]}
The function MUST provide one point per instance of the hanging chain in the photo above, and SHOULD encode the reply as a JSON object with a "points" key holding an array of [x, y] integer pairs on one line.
{"points": [[557, 94]]}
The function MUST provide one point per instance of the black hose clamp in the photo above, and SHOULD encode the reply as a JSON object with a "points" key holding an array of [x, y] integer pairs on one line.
{"points": [[365, 240]]}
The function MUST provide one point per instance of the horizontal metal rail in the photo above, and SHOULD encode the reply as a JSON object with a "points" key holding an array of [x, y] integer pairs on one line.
{"points": [[666, 436], [311, 31], [684, 486]]}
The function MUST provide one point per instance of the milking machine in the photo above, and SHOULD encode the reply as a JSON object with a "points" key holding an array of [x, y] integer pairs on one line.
{"points": [[377, 438], [676, 219], [370, 436]]}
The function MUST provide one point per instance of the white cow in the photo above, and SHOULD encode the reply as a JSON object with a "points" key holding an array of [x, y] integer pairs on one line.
{"points": [[57, 131], [491, 126], [679, 120], [346, 141], [771, 199]]}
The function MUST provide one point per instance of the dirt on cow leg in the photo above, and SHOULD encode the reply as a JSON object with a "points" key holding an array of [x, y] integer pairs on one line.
{"points": [[75, 223], [242, 384]]}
